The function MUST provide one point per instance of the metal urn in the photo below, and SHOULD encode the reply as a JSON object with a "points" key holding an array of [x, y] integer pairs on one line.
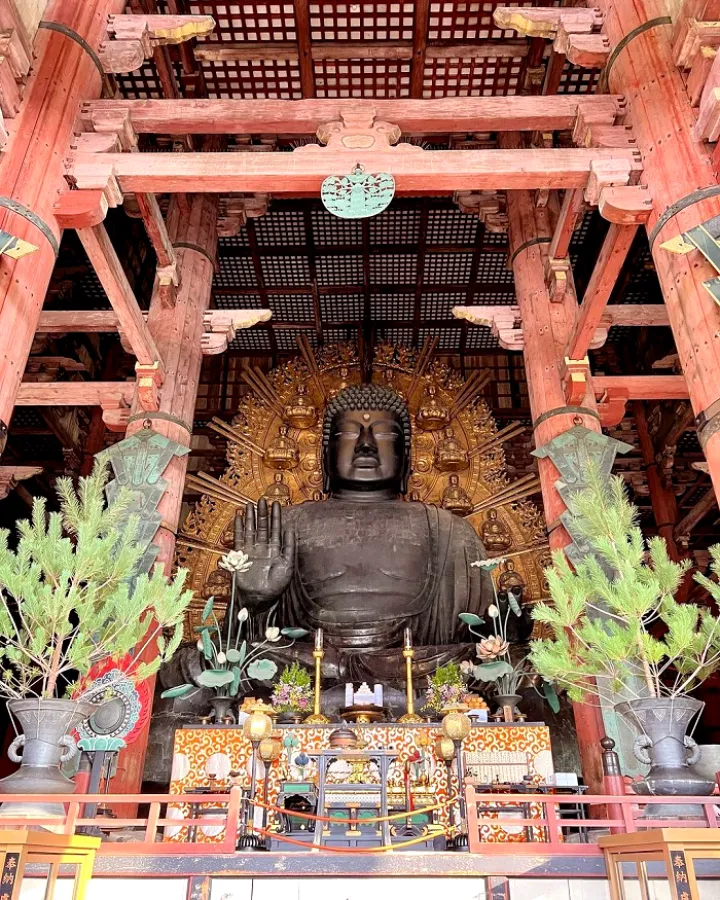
{"points": [[41, 749], [664, 745]]}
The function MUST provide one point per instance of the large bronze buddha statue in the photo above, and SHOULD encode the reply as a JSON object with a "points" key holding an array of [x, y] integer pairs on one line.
{"points": [[363, 564]]}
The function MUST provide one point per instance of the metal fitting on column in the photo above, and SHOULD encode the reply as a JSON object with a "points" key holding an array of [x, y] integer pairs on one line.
{"points": [[708, 423]]}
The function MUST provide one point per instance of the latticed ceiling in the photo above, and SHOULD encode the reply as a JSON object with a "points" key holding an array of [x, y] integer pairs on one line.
{"points": [[394, 277]]}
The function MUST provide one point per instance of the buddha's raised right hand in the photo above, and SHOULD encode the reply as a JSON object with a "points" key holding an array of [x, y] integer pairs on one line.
{"points": [[271, 553]]}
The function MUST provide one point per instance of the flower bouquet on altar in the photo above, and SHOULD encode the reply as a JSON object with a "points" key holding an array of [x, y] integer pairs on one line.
{"points": [[446, 689], [292, 695]]}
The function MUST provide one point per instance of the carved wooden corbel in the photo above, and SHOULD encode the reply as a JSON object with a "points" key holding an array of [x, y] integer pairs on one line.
{"points": [[559, 278], [221, 324], [504, 322], [629, 204], [605, 173], [236, 210], [131, 39], [358, 129], [612, 405], [489, 206]]}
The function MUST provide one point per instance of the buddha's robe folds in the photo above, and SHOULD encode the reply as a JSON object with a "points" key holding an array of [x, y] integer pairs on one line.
{"points": [[366, 570]]}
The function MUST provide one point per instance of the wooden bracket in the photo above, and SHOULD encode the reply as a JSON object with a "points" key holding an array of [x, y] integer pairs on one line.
{"points": [[589, 118], [149, 382], [10, 476], [221, 324], [544, 22], [489, 206], [558, 278], [358, 129], [606, 173], [691, 37], [589, 51], [131, 39], [612, 405], [81, 209], [15, 59], [504, 322], [575, 378], [707, 124], [629, 204], [236, 210]]}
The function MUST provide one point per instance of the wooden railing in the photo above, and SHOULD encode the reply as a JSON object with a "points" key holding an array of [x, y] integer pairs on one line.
{"points": [[550, 831], [546, 831], [153, 827]]}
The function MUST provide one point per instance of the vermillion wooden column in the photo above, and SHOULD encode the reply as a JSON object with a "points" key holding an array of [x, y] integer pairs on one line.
{"points": [[32, 171], [676, 168], [546, 329], [177, 332]]}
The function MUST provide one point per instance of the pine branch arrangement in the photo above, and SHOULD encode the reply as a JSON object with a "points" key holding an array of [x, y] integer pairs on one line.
{"points": [[603, 612], [67, 599]]}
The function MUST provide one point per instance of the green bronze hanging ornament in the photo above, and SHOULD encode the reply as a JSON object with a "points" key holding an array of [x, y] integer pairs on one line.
{"points": [[357, 195]]}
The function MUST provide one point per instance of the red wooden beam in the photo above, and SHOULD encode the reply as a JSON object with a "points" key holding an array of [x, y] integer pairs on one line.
{"points": [[155, 227], [110, 272], [643, 387], [607, 268], [75, 393], [565, 226], [81, 209], [304, 170], [557, 113]]}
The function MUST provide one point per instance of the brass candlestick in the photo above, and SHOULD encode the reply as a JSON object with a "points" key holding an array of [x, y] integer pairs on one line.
{"points": [[317, 718], [409, 653]]}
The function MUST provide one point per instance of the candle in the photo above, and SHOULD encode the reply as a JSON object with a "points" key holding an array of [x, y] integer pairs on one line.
{"points": [[408, 638], [378, 695], [319, 639], [349, 694]]}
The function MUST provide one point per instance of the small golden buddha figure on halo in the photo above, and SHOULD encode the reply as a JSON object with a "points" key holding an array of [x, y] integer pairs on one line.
{"points": [[278, 490], [344, 374], [282, 452], [495, 534], [300, 411], [510, 579], [432, 415], [455, 498], [449, 455]]}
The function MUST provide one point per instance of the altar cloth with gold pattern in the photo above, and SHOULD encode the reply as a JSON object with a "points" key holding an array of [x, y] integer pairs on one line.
{"points": [[204, 757]]}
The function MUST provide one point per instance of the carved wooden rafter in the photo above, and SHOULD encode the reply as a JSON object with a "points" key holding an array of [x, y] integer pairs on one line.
{"points": [[221, 325], [132, 39]]}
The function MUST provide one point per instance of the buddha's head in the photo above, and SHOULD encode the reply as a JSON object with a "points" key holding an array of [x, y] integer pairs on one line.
{"points": [[366, 441]]}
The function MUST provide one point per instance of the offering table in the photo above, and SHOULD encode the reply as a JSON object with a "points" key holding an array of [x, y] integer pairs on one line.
{"points": [[205, 755]]}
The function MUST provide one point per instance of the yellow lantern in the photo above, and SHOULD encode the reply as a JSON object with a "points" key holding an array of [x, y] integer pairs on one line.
{"points": [[269, 749], [456, 726], [444, 748], [257, 727]]}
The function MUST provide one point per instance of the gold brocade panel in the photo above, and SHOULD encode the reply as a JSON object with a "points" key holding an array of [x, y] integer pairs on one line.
{"points": [[457, 461], [203, 758]]}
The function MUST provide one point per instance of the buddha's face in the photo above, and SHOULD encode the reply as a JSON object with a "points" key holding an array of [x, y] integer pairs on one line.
{"points": [[366, 451]]}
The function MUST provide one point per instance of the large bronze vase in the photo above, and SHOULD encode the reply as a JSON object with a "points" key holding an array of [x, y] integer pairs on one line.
{"points": [[664, 745], [44, 745]]}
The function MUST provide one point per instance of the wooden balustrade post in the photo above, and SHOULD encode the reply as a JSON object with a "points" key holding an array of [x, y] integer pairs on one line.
{"points": [[176, 331], [546, 329], [614, 784], [677, 168], [32, 174]]}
